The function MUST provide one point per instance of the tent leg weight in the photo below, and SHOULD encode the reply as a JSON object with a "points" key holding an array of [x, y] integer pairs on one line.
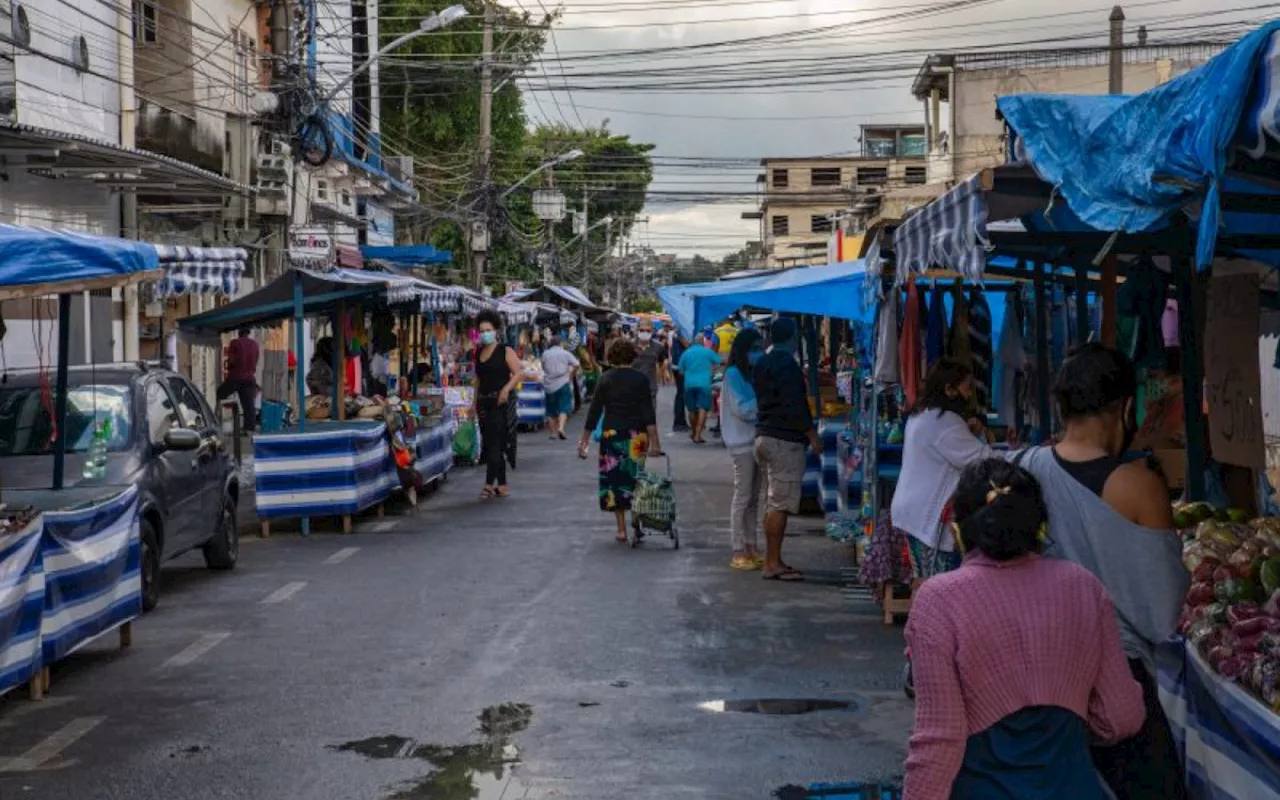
{"points": [[126, 635], [346, 524], [265, 531]]}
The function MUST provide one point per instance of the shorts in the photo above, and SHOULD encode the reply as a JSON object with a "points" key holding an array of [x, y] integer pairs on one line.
{"points": [[560, 401], [782, 464], [927, 561], [697, 398]]}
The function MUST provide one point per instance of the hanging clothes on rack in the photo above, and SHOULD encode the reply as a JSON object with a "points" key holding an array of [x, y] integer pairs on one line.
{"points": [[936, 332], [909, 345], [961, 347], [1014, 362], [887, 372], [980, 345], [1142, 297], [1059, 330]]}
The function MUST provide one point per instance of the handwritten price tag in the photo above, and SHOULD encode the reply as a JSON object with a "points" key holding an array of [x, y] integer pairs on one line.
{"points": [[1233, 380]]}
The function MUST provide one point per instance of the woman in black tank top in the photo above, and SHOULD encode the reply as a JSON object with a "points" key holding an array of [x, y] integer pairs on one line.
{"points": [[497, 373]]}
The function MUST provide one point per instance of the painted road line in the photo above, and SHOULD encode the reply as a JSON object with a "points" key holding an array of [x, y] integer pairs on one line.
{"points": [[283, 593], [49, 749], [342, 555], [196, 649], [383, 527]]}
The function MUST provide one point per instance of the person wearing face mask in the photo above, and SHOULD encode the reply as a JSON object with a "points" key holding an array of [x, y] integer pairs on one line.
{"points": [[1107, 513], [938, 444], [738, 422], [498, 371], [652, 355]]}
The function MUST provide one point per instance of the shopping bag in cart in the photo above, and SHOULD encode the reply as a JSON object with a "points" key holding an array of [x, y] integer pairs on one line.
{"points": [[654, 502]]}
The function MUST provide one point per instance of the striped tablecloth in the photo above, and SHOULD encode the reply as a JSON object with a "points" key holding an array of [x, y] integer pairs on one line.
{"points": [[531, 403], [334, 469], [21, 604], [433, 450]]}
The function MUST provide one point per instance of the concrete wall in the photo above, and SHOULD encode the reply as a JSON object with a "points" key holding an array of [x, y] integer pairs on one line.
{"points": [[55, 95], [977, 139], [800, 220], [800, 172]]}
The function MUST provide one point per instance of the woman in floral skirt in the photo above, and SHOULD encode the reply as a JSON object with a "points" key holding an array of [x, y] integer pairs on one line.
{"points": [[629, 432]]}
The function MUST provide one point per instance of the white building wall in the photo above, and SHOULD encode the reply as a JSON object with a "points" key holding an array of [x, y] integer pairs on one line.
{"points": [[333, 50], [55, 95]]}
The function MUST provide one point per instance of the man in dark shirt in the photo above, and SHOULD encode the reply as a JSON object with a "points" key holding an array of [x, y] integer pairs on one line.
{"points": [[678, 346], [783, 425], [242, 375]]}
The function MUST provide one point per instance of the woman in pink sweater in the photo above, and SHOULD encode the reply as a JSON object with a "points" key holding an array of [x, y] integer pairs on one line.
{"points": [[1017, 658]]}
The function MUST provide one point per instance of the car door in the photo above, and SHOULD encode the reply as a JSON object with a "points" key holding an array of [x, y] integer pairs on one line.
{"points": [[175, 473], [211, 458]]}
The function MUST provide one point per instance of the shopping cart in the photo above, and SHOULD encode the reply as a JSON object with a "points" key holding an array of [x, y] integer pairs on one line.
{"points": [[653, 506]]}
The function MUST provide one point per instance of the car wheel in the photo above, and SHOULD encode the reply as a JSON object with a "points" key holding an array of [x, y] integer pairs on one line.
{"points": [[150, 567], [223, 549]]}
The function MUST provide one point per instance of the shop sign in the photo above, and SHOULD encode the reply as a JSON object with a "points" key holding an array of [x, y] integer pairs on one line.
{"points": [[310, 243], [380, 230], [1233, 378]]}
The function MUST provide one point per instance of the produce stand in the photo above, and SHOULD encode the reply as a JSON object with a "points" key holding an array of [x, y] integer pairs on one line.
{"points": [[71, 573]]}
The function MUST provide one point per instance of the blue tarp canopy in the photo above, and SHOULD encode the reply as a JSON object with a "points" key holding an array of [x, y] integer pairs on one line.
{"points": [[413, 255], [1131, 164], [39, 257], [836, 290]]}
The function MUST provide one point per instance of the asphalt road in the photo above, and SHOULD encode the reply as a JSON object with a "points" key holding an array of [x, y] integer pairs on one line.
{"points": [[489, 651]]}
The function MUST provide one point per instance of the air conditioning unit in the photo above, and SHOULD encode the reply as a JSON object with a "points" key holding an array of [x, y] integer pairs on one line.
{"points": [[278, 147]]}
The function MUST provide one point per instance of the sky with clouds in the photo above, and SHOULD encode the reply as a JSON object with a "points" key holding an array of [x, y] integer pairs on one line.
{"points": [[815, 114]]}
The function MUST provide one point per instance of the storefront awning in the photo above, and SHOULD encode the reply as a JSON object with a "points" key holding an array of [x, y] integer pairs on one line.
{"points": [[66, 155], [35, 261]]}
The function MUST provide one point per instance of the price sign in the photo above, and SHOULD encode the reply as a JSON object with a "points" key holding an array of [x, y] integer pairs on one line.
{"points": [[1233, 380]]}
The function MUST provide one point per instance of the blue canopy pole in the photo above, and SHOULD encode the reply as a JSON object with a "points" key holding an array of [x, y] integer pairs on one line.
{"points": [[299, 336], [435, 349], [811, 342], [1042, 352], [60, 396], [1189, 286]]}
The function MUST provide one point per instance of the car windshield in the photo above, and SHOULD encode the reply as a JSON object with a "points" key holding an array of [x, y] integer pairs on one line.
{"points": [[26, 418]]}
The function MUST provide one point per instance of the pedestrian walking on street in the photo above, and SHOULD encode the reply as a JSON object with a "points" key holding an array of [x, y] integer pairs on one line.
{"points": [[678, 345], [1017, 658], [938, 444], [242, 376], [738, 412], [650, 358], [1106, 512], [497, 374], [629, 432], [783, 424], [559, 367], [698, 366]]}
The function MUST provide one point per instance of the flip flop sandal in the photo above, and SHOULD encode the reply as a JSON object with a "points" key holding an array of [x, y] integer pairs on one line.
{"points": [[786, 576], [487, 493], [502, 492], [744, 564]]}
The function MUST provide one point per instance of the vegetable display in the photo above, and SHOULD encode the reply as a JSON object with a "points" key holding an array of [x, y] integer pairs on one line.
{"points": [[1232, 612]]}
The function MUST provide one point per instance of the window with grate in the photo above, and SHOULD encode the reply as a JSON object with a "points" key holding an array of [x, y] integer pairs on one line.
{"points": [[873, 176], [820, 223], [780, 179], [781, 225], [146, 23], [824, 177], [917, 175]]}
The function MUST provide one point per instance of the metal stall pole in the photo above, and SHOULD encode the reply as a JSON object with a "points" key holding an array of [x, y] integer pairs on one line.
{"points": [[435, 349], [811, 344], [415, 336], [299, 334], [60, 399], [337, 321], [1189, 286], [1042, 352], [1082, 302]]}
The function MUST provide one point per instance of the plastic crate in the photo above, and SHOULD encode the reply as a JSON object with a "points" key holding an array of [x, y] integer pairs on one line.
{"points": [[271, 417]]}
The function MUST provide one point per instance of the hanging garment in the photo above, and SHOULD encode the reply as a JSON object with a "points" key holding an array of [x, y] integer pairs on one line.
{"points": [[961, 346], [1142, 296], [1014, 364], [1059, 327], [909, 345], [1169, 324], [980, 345], [886, 367], [936, 333]]}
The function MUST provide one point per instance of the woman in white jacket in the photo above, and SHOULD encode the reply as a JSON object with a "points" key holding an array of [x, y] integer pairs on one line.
{"points": [[939, 443], [738, 429]]}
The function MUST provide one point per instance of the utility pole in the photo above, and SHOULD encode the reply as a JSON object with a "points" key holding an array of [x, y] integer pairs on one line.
{"points": [[586, 239], [480, 239], [1115, 79], [128, 198]]}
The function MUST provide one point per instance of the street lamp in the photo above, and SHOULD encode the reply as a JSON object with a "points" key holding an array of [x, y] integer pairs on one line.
{"points": [[434, 22], [544, 166]]}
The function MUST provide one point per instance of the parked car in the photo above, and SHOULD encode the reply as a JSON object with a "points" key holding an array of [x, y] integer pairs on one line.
{"points": [[161, 435]]}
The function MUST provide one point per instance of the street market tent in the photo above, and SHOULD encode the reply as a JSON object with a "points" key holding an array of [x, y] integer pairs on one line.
{"points": [[44, 261], [835, 290], [199, 270], [569, 297]]}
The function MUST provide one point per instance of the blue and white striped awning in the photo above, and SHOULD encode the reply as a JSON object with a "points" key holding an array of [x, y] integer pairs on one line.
{"points": [[199, 270], [514, 313], [950, 232]]}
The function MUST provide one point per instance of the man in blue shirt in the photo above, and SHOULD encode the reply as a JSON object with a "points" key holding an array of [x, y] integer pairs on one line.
{"points": [[698, 365], [783, 425]]}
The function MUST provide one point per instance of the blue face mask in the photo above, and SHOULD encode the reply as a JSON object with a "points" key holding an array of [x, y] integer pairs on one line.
{"points": [[488, 337]]}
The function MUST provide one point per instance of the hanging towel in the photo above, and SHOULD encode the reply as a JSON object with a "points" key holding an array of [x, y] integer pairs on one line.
{"points": [[1014, 363], [909, 345], [961, 347], [936, 335], [980, 344], [886, 368]]}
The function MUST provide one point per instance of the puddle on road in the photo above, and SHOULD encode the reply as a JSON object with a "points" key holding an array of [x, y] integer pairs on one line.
{"points": [[479, 771], [780, 707]]}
